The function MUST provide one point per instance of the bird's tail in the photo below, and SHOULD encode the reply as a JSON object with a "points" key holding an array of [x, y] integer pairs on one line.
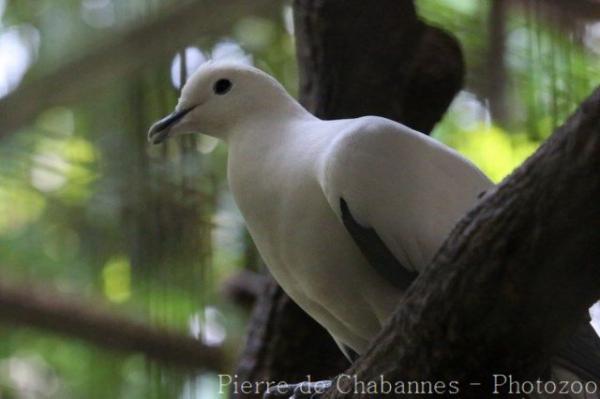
{"points": [[581, 354], [575, 369]]}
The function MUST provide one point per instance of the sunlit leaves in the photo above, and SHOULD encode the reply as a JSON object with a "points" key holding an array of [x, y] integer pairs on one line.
{"points": [[492, 149], [63, 165], [19, 207], [18, 50], [116, 276]]}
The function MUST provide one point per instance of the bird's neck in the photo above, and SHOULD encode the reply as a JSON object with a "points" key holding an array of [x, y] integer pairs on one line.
{"points": [[269, 125], [266, 142]]}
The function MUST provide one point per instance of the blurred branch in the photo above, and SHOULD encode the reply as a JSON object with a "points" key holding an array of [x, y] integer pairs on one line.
{"points": [[124, 54], [55, 313], [244, 287]]}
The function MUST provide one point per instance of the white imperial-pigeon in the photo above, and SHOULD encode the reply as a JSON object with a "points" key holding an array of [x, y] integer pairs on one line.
{"points": [[343, 212], [346, 212]]}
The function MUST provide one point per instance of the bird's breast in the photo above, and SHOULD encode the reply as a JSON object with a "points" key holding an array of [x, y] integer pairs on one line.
{"points": [[310, 254]]}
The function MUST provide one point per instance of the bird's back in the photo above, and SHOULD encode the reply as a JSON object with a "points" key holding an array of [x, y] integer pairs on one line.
{"points": [[408, 187]]}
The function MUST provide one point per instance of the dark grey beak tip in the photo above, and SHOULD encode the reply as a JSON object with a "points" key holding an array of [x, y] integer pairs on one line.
{"points": [[159, 132], [156, 135], [157, 139]]}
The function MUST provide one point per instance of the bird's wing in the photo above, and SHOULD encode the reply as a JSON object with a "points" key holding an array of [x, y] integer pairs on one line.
{"points": [[376, 251], [398, 192]]}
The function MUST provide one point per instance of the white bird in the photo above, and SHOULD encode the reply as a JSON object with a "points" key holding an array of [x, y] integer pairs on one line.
{"points": [[344, 212]]}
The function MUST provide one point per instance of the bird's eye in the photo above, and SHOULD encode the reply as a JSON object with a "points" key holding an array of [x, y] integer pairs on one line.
{"points": [[222, 86]]}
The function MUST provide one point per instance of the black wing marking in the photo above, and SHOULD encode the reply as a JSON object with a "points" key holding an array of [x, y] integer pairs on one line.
{"points": [[377, 254]]}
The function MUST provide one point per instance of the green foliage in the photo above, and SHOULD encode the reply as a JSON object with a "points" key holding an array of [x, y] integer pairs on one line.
{"points": [[496, 151], [87, 208]]}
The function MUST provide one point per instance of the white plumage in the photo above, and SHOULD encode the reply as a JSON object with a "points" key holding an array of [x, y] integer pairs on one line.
{"points": [[344, 211]]}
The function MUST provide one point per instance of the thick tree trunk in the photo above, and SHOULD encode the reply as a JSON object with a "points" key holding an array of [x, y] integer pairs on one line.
{"points": [[513, 281], [379, 60], [354, 60]]}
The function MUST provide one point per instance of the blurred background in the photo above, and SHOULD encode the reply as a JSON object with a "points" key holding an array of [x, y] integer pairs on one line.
{"points": [[90, 211]]}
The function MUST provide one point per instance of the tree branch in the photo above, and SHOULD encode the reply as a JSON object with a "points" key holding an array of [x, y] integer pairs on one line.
{"points": [[51, 312], [244, 288], [512, 282], [127, 53]]}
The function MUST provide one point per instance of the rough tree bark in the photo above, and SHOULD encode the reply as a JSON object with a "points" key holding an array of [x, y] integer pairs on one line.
{"points": [[512, 282], [354, 61]]}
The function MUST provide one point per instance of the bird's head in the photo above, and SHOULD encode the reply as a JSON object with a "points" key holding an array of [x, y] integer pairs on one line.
{"points": [[218, 98]]}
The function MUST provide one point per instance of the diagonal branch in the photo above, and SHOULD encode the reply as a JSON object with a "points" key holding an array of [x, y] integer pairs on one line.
{"points": [[512, 282], [125, 54]]}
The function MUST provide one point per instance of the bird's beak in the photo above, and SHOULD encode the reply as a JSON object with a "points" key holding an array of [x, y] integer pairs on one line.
{"points": [[159, 132]]}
